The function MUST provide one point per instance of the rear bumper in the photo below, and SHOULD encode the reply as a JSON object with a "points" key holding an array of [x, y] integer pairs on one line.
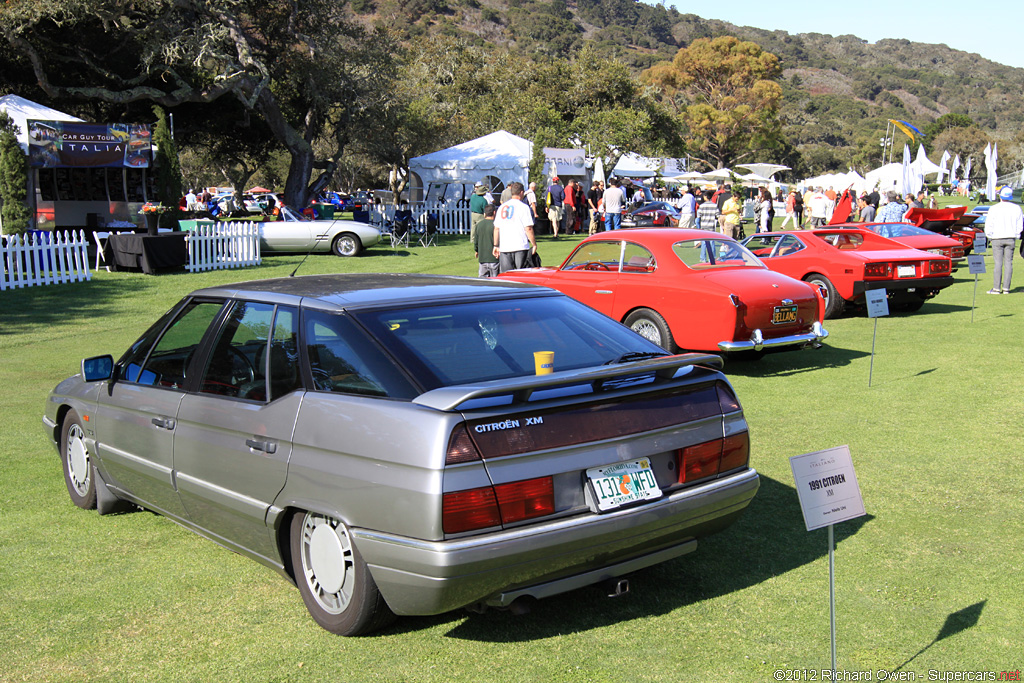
{"points": [[757, 341], [539, 560], [916, 284]]}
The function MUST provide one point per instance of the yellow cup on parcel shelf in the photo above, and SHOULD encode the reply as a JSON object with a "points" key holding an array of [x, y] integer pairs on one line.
{"points": [[544, 362]]}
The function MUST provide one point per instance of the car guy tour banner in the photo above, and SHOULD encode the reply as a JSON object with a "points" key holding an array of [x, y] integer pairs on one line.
{"points": [[55, 144]]}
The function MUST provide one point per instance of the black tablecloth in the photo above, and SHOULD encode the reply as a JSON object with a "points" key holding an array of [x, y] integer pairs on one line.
{"points": [[148, 252]]}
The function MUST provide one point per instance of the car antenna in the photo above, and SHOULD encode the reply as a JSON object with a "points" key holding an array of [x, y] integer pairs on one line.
{"points": [[316, 242]]}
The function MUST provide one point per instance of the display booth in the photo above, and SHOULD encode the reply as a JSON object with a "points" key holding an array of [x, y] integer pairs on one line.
{"points": [[83, 175]]}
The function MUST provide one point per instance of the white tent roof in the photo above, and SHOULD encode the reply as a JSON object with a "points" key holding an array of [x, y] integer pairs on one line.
{"points": [[765, 170], [499, 153], [886, 178], [635, 166], [21, 110]]}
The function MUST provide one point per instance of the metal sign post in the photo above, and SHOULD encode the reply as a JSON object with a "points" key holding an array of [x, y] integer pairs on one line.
{"points": [[976, 267], [878, 305], [827, 487]]}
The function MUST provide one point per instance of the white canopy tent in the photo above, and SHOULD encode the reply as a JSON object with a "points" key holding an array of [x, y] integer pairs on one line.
{"points": [[632, 165], [765, 170], [885, 178], [496, 159], [21, 111]]}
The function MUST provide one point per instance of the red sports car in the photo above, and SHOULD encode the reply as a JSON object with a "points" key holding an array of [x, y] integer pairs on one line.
{"points": [[848, 261], [948, 221], [687, 289], [915, 238]]}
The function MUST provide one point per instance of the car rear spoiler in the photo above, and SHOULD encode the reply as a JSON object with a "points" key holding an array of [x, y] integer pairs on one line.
{"points": [[521, 388]]}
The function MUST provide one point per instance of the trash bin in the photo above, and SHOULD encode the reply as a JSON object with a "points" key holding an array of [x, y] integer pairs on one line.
{"points": [[325, 211]]}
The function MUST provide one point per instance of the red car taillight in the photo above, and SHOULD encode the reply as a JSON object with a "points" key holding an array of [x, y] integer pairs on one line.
{"points": [[939, 266], [492, 506], [957, 252], [878, 270], [705, 460]]}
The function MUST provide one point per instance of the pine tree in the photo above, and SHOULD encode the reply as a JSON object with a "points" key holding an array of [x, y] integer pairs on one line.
{"points": [[15, 214], [168, 168]]}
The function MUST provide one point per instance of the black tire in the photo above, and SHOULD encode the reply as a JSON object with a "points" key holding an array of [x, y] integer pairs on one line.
{"points": [[834, 304], [335, 583], [79, 471], [650, 325], [346, 244]]}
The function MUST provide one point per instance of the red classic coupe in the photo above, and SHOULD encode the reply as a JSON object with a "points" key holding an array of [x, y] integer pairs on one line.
{"points": [[848, 261], [687, 289], [915, 238]]}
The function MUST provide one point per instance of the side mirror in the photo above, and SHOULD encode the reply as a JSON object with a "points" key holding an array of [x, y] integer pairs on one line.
{"points": [[97, 368]]}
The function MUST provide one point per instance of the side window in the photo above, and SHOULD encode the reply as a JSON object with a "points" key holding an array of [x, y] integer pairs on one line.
{"points": [[600, 256], [788, 245], [762, 245], [238, 360], [168, 362], [636, 259], [283, 359], [344, 360]]}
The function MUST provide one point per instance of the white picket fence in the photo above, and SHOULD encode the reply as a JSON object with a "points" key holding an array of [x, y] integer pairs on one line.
{"points": [[44, 258], [223, 245], [451, 219]]}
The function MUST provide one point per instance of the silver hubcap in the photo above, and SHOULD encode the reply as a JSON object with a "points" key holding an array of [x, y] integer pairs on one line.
{"points": [[327, 562], [647, 329], [824, 290], [346, 245], [78, 460]]}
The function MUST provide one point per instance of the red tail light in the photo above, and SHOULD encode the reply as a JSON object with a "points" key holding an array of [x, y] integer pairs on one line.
{"points": [[939, 266], [706, 460], [699, 461], [493, 506], [878, 270], [525, 499], [957, 252], [468, 510]]}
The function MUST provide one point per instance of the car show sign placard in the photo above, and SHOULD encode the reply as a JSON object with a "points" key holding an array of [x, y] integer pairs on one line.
{"points": [[976, 263], [63, 144], [980, 243], [827, 487], [877, 301]]}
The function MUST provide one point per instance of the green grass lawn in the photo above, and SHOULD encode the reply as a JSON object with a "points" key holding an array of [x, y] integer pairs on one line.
{"points": [[930, 579]]}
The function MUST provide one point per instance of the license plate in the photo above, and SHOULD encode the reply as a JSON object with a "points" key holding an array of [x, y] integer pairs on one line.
{"points": [[622, 483], [905, 271], [784, 314]]}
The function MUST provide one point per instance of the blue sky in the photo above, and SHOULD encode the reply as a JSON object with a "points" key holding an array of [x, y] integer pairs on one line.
{"points": [[992, 30]]}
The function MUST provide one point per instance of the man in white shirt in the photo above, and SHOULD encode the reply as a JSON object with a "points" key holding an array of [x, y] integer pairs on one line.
{"points": [[513, 231], [688, 210], [1002, 227], [531, 198], [614, 201]]}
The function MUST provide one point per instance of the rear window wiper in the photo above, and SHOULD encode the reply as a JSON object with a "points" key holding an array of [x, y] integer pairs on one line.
{"points": [[636, 355]]}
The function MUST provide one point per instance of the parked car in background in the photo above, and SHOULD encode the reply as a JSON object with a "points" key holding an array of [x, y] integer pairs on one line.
{"points": [[845, 262], [294, 232], [388, 444], [653, 214], [949, 221], [687, 289], [917, 238]]}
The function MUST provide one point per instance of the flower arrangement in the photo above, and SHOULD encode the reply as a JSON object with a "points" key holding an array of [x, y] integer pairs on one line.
{"points": [[154, 208]]}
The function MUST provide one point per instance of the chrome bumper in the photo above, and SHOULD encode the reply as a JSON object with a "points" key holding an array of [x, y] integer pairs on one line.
{"points": [[758, 342]]}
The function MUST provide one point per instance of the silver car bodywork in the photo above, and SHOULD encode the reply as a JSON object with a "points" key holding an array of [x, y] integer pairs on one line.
{"points": [[239, 471], [292, 232]]}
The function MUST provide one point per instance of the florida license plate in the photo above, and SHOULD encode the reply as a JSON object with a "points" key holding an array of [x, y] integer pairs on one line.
{"points": [[784, 314], [905, 271], [622, 483]]}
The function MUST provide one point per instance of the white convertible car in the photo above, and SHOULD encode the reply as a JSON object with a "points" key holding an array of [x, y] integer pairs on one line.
{"points": [[294, 232]]}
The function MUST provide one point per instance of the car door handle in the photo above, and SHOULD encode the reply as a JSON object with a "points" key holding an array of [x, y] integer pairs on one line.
{"points": [[602, 291], [164, 422], [268, 447]]}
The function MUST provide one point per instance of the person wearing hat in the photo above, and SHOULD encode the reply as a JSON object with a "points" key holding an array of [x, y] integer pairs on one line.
{"points": [[1002, 228], [477, 202]]}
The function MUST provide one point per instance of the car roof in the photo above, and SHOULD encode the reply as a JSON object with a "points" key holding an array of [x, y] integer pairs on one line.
{"points": [[350, 290], [651, 235]]}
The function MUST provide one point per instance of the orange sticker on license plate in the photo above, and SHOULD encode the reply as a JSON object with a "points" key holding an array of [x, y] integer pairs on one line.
{"points": [[784, 314]]}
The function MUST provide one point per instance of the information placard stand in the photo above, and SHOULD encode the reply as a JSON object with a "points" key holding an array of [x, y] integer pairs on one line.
{"points": [[878, 305], [976, 267], [827, 487]]}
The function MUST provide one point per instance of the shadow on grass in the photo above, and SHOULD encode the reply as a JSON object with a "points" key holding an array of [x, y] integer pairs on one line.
{"points": [[785, 363], [956, 622], [36, 307], [769, 539]]}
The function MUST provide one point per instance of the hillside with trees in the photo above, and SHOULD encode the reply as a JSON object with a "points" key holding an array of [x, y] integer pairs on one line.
{"points": [[299, 94]]}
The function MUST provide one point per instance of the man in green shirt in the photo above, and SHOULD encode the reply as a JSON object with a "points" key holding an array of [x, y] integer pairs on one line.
{"points": [[477, 202], [483, 243]]}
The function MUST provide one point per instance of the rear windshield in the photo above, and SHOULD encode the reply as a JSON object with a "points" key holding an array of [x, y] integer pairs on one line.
{"points": [[478, 341]]}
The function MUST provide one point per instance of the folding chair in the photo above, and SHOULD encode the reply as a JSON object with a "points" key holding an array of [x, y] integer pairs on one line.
{"points": [[428, 238], [101, 243], [400, 233]]}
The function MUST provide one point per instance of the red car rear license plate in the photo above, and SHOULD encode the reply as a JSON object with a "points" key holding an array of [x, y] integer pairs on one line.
{"points": [[784, 314]]}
